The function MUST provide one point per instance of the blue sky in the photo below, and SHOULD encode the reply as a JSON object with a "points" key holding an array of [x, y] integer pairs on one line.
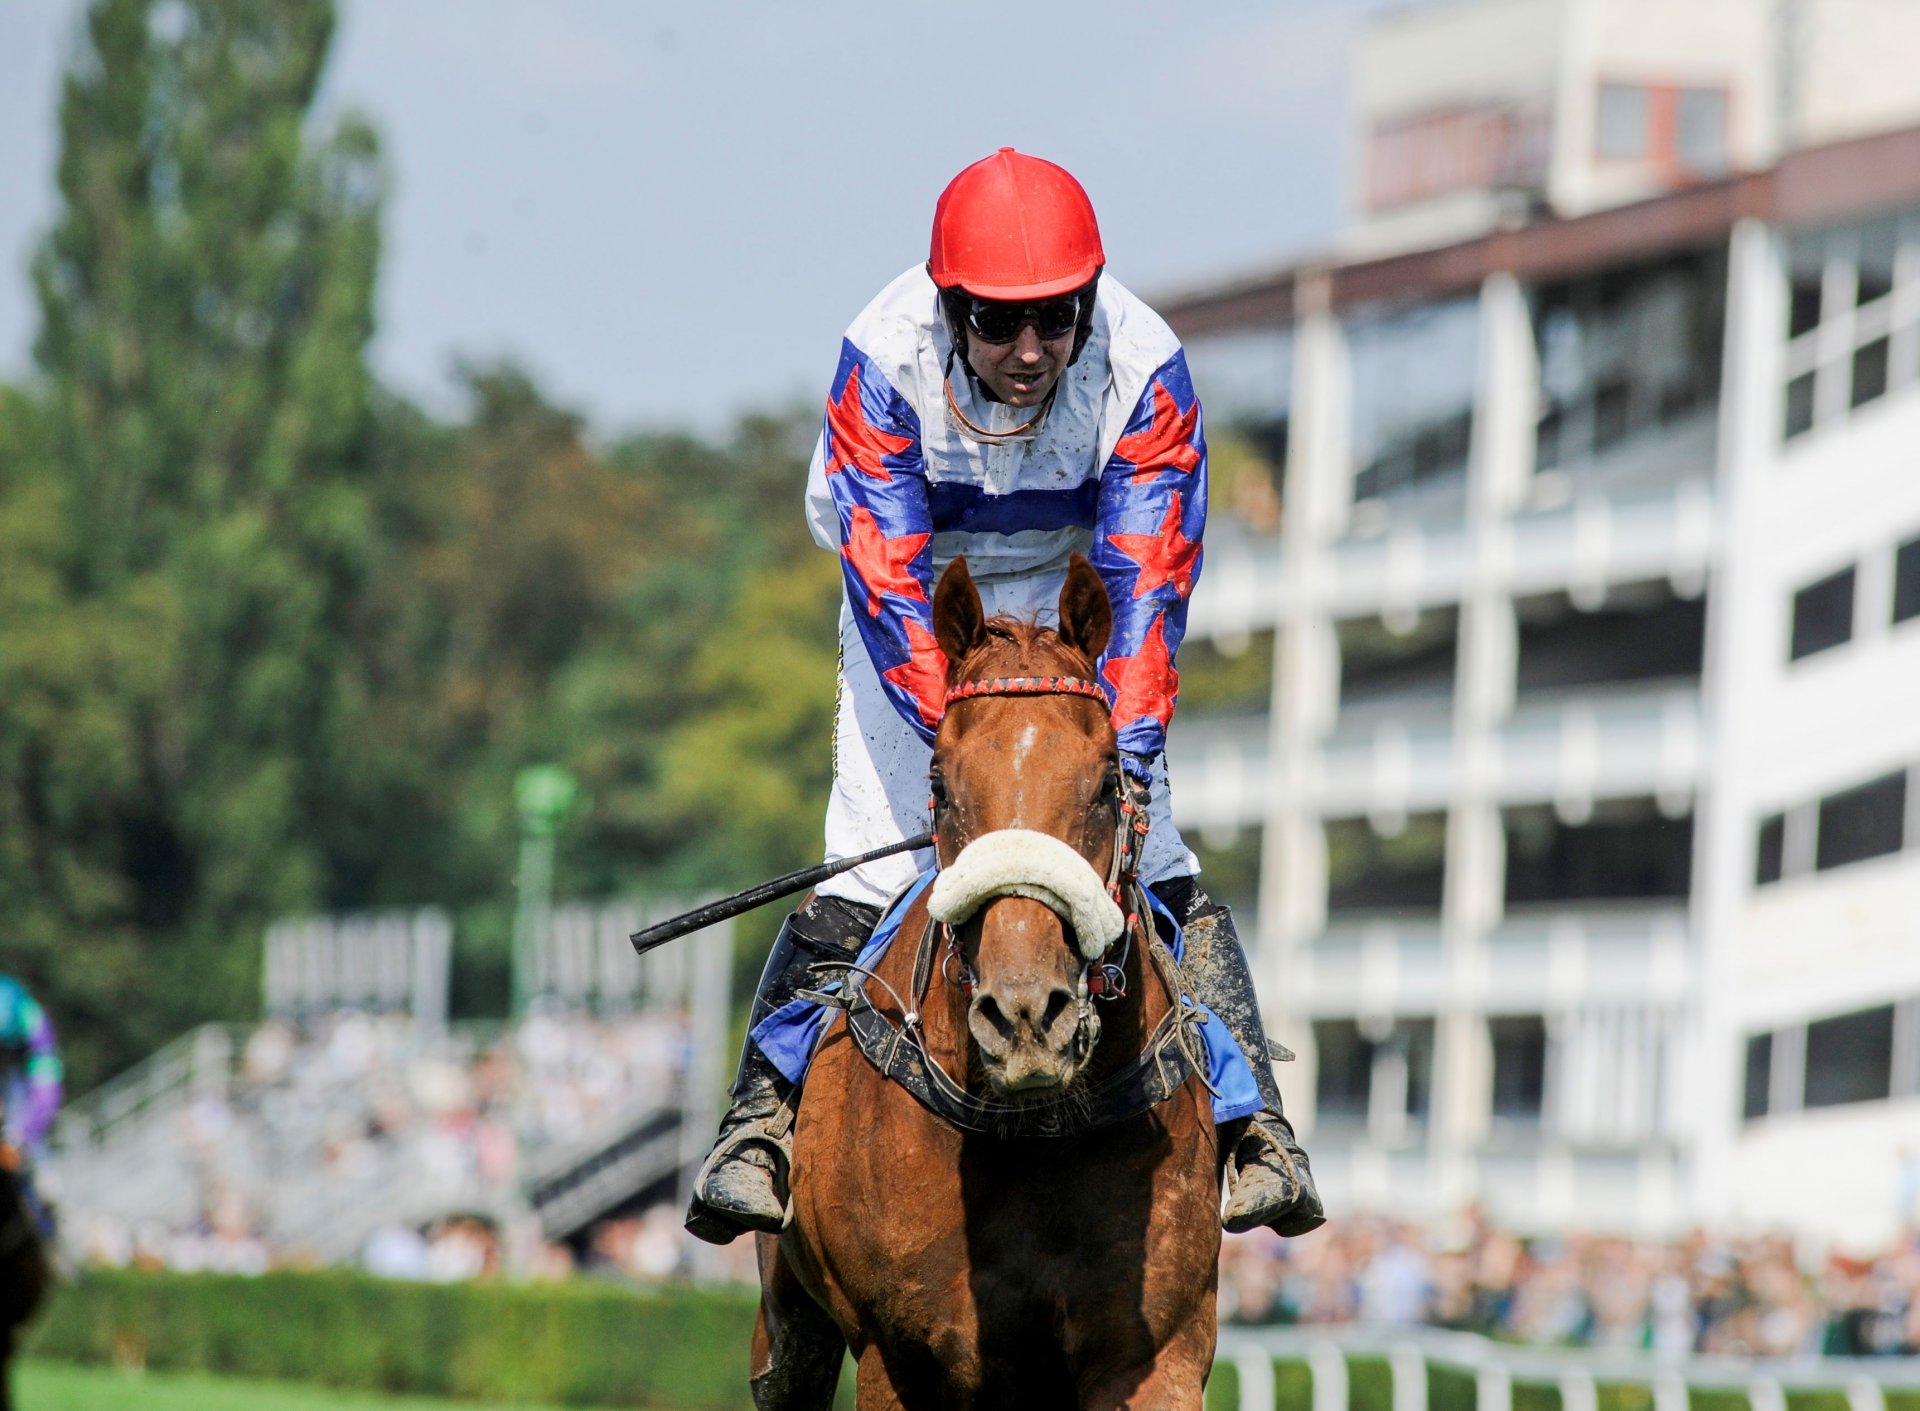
{"points": [[669, 212]]}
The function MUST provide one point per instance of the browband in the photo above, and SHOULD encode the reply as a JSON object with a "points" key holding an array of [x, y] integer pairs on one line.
{"points": [[1027, 686]]}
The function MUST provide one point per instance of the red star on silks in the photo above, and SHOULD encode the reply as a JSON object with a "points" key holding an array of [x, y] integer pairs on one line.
{"points": [[853, 440], [1146, 681], [1166, 557], [883, 564], [1167, 444], [923, 675]]}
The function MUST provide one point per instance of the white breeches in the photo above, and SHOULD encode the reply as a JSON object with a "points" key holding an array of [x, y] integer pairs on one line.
{"points": [[880, 787]]}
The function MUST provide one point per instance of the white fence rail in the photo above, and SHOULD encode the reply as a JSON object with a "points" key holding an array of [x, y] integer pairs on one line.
{"points": [[1577, 1372]]}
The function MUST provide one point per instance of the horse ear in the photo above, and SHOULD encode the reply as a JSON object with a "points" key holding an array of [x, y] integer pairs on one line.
{"points": [[1086, 617], [959, 622]]}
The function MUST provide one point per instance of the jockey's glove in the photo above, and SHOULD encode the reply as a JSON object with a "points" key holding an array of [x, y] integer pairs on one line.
{"points": [[1139, 769]]}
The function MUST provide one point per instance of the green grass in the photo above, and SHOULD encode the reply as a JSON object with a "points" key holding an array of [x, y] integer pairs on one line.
{"points": [[54, 1386]]}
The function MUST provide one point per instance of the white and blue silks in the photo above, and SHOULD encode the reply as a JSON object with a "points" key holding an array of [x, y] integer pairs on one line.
{"points": [[789, 1035]]}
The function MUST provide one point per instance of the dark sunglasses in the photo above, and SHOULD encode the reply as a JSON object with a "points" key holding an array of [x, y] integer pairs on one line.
{"points": [[992, 321]]}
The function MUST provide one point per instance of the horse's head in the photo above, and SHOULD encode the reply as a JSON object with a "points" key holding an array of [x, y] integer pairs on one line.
{"points": [[1027, 798]]}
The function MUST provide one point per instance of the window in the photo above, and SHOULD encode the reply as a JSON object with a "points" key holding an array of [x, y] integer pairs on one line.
{"points": [[1620, 134], [1870, 371], [1822, 615], [1369, 871], [1455, 149], [1627, 850], [1850, 1058], [1700, 131], [1684, 130], [1626, 351], [1771, 863], [1862, 823], [1413, 388], [1851, 338], [1519, 1066], [1346, 1068], [1906, 581], [1759, 1076]]}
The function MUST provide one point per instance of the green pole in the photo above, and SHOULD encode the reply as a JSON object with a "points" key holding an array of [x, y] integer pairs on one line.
{"points": [[545, 795]]}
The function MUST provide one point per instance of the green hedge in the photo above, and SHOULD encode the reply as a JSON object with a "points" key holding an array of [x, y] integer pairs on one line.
{"points": [[573, 1344]]}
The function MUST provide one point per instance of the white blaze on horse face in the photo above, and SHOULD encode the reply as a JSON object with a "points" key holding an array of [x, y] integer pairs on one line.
{"points": [[1022, 748]]}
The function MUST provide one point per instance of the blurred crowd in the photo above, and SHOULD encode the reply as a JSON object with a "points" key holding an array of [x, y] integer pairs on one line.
{"points": [[1703, 1294], [312, 1124]]}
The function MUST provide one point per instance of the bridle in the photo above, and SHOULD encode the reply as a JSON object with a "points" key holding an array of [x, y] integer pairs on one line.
{"points": [[1172, 1053], [1099, 977]]}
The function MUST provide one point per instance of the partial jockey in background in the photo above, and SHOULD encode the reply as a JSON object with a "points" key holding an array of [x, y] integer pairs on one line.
{"points": [[1008, 403], [30, 1076]]}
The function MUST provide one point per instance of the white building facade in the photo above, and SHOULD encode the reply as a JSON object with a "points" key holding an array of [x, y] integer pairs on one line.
{"points": [[1554, 701]]}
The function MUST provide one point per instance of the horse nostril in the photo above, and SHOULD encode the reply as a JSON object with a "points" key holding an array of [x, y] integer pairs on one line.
{"points": [[1057, 1004], [989, 1009]]}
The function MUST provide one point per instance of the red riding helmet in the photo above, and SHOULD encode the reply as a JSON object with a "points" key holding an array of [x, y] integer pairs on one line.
{"points": [[1014, 227]]}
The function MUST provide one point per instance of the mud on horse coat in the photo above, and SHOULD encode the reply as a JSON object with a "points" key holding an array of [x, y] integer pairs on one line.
{"points": [[968, 1268]]}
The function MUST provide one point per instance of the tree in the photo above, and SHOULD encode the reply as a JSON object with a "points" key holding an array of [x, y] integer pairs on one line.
{"points": [[206, 298]]}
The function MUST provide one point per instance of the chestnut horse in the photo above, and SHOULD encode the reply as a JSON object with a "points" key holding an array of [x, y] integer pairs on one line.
{"points": [[987, 1268], [25, 1273]]}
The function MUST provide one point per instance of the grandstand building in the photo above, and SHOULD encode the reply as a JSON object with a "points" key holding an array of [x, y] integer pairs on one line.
{"points": [[1554, 686]]}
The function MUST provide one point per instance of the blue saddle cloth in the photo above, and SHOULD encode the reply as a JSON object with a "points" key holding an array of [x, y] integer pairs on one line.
{"points": [[789, 1035]]}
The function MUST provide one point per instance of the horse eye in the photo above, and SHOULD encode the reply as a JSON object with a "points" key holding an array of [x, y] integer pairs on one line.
{"points": [[1110, 786], [938, 786]]}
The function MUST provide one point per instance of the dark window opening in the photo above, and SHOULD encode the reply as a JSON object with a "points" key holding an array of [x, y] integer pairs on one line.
{"points": [[1403, 873], [1519, 1066], [1406, 668], [1879, 246], [1770, 865], [1870, 371], [1215, 681], [1626, 350], [1850, 1058], [1799, 405], [1806, 282], [1643, 633], [1415, 1036], [1906, 581], [1413, 392], [1627, 850], [1759, 1080], [1822, 615], [1345, 1082], [1861, 823]]}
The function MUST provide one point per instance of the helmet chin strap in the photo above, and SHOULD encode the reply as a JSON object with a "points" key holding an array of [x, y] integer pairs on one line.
{"points": [[1025, 431]]}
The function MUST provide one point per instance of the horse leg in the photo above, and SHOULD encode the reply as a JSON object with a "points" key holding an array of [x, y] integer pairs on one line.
{"points": [[797, 1348], [873, 1383], [1176, 1379]]}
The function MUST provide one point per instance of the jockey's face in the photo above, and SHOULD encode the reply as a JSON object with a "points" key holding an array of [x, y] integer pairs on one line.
{"points": [[1022, 372]]}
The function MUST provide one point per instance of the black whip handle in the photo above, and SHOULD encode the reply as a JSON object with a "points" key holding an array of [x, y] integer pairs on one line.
{"points": [[699, 918]]}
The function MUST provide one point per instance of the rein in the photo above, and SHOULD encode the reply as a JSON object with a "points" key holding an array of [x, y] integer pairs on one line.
{"points": [[1172, 1053]]}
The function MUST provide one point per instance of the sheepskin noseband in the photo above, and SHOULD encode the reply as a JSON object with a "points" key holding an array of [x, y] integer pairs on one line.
{"points": [[1018, 862]]}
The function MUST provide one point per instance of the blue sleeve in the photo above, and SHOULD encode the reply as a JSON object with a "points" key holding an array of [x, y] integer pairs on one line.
{"points": [[1147, 548], [877, 477]]}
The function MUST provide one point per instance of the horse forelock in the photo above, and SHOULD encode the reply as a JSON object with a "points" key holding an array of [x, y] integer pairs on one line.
{"points": [[1020, 646]]}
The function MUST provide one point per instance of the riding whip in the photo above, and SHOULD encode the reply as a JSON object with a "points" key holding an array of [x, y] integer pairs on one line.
{"points": [[658, 935]]}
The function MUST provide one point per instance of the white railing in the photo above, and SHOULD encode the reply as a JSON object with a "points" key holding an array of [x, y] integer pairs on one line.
{"points": [[1576, 1372]]}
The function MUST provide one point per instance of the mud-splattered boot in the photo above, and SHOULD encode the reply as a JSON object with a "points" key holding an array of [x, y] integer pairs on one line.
{"points": [[1268, 1179], [743, 1183]]}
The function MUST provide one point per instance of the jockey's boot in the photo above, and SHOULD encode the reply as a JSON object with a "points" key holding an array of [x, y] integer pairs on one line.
{"points": [[1269, 1181], [743, 1184]]}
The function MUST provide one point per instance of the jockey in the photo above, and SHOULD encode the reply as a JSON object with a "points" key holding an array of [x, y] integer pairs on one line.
{"points": [[1007, 402], [30, 1076]]}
